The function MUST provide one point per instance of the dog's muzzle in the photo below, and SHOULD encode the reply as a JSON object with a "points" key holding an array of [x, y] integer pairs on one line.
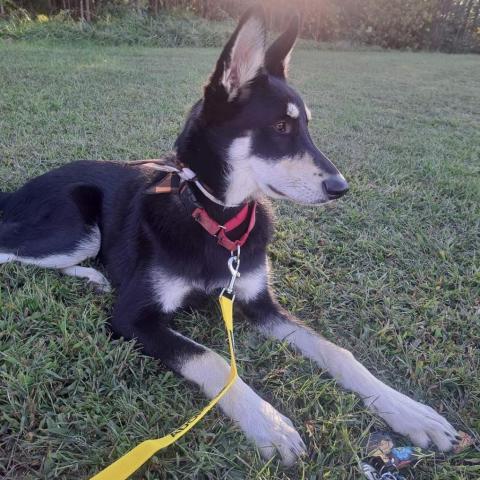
{"points": [[335, 186]]}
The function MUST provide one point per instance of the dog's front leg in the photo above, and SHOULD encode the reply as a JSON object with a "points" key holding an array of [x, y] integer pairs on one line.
{"points": [[270, 430], [419, 422], [261, 422]]}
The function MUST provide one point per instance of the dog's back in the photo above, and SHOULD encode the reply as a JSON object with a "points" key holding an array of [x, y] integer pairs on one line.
{"points": [[58, 219], [4, 196]]}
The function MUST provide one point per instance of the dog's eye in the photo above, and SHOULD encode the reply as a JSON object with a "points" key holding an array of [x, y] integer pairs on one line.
{"points": [[282, 127]]}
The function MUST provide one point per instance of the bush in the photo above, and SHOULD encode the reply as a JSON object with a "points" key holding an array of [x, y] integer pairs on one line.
{"points": [[171, 29], [448, 25]]}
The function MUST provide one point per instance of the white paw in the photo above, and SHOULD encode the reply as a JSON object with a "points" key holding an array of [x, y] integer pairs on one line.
{"points": [[100, 283], [419, 422], [6, 257], [272, 432], [98, 280]]}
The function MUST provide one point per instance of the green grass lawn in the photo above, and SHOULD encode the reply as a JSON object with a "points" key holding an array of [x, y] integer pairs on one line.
{"points": [[391, 272]]}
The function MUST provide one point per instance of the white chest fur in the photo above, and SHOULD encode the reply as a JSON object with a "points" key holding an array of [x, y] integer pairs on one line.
{"points": [[170, 290]]}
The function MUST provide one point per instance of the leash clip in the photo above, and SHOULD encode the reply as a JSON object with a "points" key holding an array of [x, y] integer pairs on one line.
{"points": [[234, 267]]}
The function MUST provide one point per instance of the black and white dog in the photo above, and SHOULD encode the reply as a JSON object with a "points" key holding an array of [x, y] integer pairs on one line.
{"points": [[246, 138]]}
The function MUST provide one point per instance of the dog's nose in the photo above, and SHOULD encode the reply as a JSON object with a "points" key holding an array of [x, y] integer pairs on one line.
{"points": [[335, 186]]}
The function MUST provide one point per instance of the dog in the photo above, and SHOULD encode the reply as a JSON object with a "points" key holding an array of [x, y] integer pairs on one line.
{"points": [[161, 234]]}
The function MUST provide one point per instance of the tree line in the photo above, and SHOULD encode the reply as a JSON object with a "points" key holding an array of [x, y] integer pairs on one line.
{"points": [[447, 25]]}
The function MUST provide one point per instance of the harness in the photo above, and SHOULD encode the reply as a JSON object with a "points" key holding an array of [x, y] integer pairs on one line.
{"points": [[179, 181]]}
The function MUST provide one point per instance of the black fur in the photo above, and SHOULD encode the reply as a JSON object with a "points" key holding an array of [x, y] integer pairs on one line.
{"points": [[140, 233], [3, 199], [216, 107], [149, 243], [279, 50], [52, 214]]}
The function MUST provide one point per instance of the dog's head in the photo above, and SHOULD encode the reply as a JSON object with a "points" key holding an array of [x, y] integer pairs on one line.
{"points": [[255, 125]]}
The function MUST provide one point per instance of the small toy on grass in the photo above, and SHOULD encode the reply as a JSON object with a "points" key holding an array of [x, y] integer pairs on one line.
{"points": [[372, 474], [379, 445], [402, 457], [385, 460]]}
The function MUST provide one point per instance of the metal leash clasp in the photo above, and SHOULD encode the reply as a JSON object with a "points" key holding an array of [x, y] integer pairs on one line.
{"points": [[234, 267]]}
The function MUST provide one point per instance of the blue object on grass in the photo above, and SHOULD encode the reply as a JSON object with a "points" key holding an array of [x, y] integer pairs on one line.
{"points": [[404, 454]]}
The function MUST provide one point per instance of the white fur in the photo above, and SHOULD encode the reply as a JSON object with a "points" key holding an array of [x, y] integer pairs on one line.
{"points": [[286, 61], [406, 416], [241, 183], [92, 275], [292, 110], [246, 57], [269, 429], [6, 257], [308, 112], [170, 290], [86, 248], [298, 177], [250, 285]]}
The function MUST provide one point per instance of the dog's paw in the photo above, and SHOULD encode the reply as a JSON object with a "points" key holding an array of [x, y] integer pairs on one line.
{"points": [[98, 282], [272, 432], [94, 277], [101, 285], [419, 422]]}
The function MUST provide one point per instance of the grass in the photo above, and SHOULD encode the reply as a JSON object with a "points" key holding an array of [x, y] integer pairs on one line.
{"points": [[391, 272]]}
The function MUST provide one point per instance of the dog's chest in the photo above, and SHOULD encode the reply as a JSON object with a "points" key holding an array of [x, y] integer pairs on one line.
{"points": [[170, 290]]}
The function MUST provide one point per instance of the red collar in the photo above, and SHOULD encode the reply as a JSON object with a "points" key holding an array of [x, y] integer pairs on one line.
{"points": [[171, 182], [220, 231]]}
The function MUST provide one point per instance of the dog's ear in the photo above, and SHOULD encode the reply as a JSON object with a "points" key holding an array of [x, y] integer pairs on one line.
{"points": [[242, 57], [277, 57]]}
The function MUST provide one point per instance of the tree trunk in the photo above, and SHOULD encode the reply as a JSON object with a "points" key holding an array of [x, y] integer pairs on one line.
{"points": [[462, 28], [82, 15], [87, 11], [439, 23], [153, 7]]}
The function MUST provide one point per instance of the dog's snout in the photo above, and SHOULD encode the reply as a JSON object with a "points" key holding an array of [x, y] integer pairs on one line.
{"points": [[335, 186]]}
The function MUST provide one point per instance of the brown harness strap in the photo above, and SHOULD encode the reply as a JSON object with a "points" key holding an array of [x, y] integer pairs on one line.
{"points": [[170, 183]]}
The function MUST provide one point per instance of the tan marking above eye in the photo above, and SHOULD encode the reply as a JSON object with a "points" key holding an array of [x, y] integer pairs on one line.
{"points": [[292, 110]]}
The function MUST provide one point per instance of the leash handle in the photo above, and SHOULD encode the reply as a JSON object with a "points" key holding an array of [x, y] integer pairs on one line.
{"points": [[135, 458]]}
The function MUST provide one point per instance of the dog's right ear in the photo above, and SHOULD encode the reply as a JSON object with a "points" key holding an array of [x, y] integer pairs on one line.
{"points": [[241, 59]]}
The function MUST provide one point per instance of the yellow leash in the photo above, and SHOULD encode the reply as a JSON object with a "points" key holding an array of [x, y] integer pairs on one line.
{"points": [[135, 458]]}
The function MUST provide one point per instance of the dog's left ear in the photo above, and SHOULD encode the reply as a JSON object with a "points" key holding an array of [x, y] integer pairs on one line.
{"points": [[242, 57], [277, 57]]}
